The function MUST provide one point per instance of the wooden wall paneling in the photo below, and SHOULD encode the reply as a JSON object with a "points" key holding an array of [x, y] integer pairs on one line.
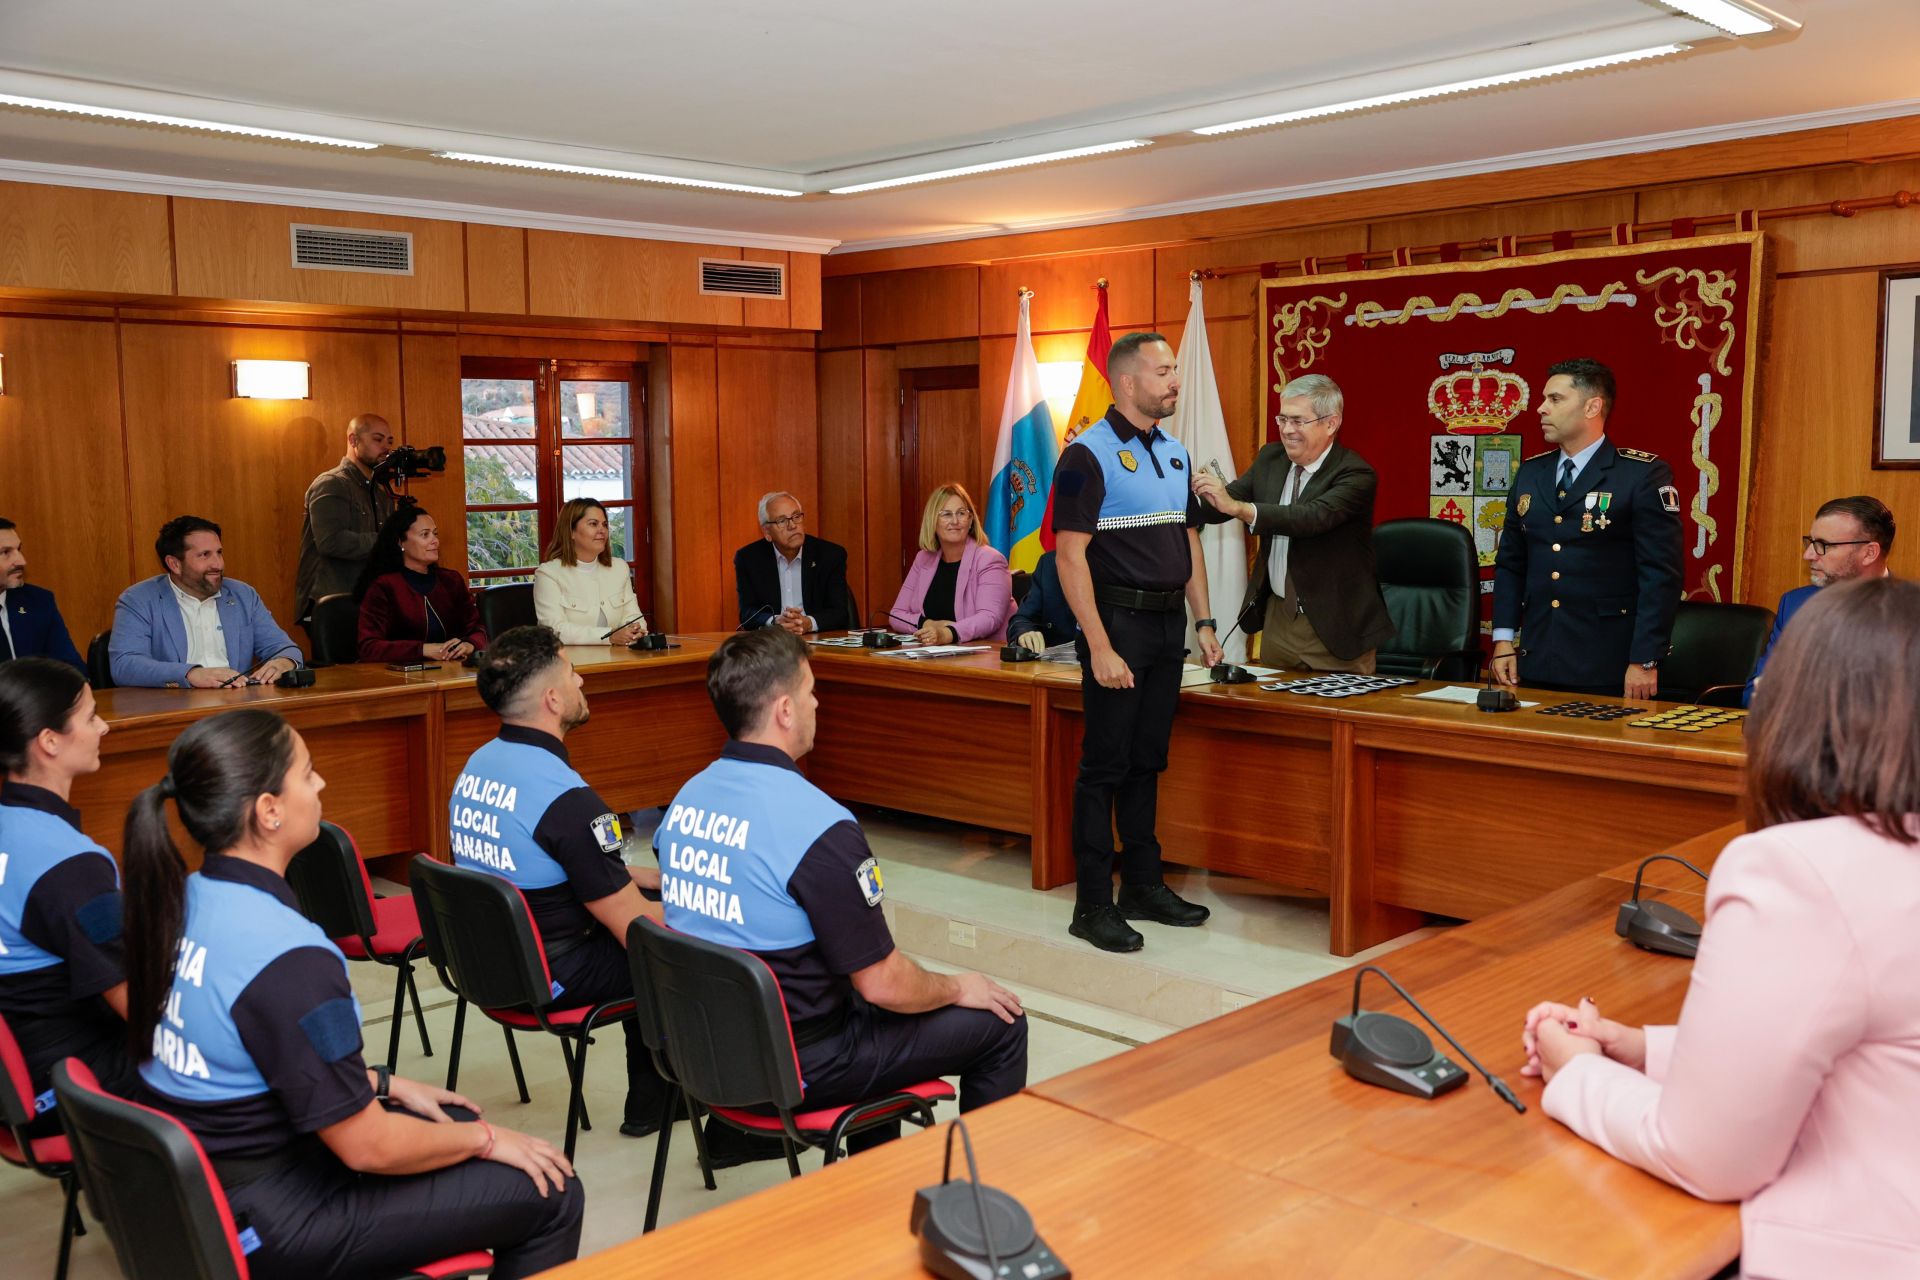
{"points": [[1230, 342], [769, 439], [702, 568], [803, 290], [769, 313], [920, 306], [1234, 295], [934, 355], [231, 250], [496, 269], [1502, 220], [60, 425], [883, 533], [840, 312], [430, 405], [786, 341], [74, 238], [1064, 294], [614, 278], [842, 505], [244, 464], [660, 454], [1811, 244], [553, 346]]}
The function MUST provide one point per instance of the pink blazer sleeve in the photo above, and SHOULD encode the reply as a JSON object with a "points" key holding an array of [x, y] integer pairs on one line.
{"points": [[906, 605], [984, 599], [1779, 993]]}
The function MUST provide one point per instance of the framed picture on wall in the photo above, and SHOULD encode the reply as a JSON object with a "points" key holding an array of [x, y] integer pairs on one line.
{"points": [[1896, 437]]}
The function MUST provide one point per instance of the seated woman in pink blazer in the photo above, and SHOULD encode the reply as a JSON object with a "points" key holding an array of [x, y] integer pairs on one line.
{"points": [[956, 590], [1792, 1082]]}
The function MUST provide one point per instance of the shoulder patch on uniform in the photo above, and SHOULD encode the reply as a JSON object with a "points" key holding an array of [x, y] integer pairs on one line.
{"points": [[1670, 498], [1639, 455], [607, 833], [1543, 453], [1128, 461], [871, 883], [333, 1029], [99, 919]]}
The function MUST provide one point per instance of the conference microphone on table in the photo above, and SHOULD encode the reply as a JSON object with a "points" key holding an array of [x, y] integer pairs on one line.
{"points": [[1496, 699], [879, 637], [756, 618], [1226, 672], [970, 1231], [1378, 1048], [1657, 926]]}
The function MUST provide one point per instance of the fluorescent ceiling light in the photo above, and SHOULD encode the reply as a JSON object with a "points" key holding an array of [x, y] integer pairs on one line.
{"points": [[592, 172], [1731, 18], [180, 122], [1439, 90], [963, 170]]}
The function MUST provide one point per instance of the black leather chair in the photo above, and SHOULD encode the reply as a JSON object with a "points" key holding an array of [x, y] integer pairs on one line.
{"points": [[1430, 576], [504, 608], [334, 631], [1022, 583], [100, 660], [1715, 649]]}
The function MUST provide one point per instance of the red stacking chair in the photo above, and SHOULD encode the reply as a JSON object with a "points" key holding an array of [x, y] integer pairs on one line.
{"points": [[50, 1157]]}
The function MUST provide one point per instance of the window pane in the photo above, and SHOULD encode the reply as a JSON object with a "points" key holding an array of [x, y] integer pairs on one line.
{"points": [[600, 471], [620, 529], [500, 473], [501, 540], [594, 409], [497, 408]]}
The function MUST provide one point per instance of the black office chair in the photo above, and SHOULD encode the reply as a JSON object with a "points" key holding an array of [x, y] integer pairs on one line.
{"points": [[1715, 649], [152, 1186], [504, 608], [717, 1026], [1430, 576], [334, 631], [1022, 583], [100, 660]]}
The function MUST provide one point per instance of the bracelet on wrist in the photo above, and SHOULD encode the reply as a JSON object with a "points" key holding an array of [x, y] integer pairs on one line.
{"points": [[488, 1149]]}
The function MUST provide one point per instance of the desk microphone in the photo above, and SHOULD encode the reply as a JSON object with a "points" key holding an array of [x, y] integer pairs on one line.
{"points": [[1657, 926], [879, 637], [756, 618], [1224, 672], [970, 1231], [1378, 1048], [1496, 699]]}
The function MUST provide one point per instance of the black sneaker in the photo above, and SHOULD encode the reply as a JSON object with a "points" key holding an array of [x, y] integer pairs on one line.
{"points": [[729, 1148], [1103, 927], [1161, 905]]}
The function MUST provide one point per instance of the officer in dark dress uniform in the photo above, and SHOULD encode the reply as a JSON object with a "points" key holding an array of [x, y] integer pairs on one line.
{"points": [[754, 856], [1126, 526], [1589, 565], [332, 1169]]}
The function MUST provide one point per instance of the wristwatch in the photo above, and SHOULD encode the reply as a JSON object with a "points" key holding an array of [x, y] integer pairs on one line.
{"points": [[383, 1078], [1202, 624], [1649, 666]]}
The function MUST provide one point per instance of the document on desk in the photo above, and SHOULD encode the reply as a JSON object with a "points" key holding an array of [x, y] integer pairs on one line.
{"points": [[935, 651], [1061, 653], [1457, 693]]}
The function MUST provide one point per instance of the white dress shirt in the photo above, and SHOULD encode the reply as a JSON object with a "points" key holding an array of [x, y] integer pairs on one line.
{"points": [[7, 626], [206, 639], [1289, 490], [792, 590]]}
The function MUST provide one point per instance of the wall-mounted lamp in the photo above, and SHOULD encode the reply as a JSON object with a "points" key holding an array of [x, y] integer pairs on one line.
{"points": [[1060, 383], [271, 380]]}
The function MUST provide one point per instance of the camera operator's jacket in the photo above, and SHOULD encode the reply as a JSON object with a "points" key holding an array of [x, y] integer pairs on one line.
{"points": [[344, 513]]}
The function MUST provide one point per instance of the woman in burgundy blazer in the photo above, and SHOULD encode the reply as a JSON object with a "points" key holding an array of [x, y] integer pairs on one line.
{"points": [[411, 609]]}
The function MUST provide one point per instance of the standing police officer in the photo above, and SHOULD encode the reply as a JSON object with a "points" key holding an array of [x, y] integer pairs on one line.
{"points": [[1126, 527], [1589, 565], [754, 856]]}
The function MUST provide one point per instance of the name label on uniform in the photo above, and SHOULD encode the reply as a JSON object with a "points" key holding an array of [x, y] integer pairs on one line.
{"points": [[714, 828], [695, 858], [171, 1047], [476, 831]]}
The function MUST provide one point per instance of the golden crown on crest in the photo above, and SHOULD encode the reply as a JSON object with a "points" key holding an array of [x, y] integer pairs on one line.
{"points": [[1476, 400]]}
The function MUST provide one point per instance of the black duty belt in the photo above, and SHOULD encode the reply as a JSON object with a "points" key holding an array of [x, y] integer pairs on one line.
{"points": [[1152, 601], [814, 1030]]}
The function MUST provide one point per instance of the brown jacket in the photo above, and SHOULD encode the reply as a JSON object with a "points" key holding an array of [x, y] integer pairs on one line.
{"points": [[344, 513]]}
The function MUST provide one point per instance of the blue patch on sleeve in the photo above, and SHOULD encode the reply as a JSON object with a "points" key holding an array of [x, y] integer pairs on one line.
{"points": [[249, 1240], [556, 988], [44, 1103], [333, 1029], [100, 919]]}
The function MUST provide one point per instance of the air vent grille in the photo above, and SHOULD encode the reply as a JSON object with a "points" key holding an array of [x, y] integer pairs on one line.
{"points": [[728, 278], [386, 253]]}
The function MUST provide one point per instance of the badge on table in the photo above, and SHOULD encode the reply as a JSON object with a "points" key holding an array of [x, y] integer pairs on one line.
{"points": [[606, 832], [1526, 500], [1127, 460], [868, 874]]}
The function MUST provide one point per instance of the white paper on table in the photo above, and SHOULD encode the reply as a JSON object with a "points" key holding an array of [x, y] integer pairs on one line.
{"points": [[934, 651], [1457, 693]]}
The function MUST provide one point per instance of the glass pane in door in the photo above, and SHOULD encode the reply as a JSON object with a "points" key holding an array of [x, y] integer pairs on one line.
{"points": [[496, 408], [594, 409]]}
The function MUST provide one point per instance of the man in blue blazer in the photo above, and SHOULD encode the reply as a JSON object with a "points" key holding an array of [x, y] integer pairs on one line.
{"points": [[30, 622], [1849, 538], [192, 626]]}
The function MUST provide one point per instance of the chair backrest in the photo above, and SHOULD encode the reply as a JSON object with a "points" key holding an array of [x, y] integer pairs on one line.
{"points": [[717, 1016], [481, 937], [335, 631], [1713, 645], [16, 1082], [504, 608], [149, 1183], [1430, 577], [100, 660], [1022, 583], [332, 885]]}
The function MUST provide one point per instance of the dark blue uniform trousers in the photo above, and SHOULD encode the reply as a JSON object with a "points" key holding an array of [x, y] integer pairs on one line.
{"points": [[597, 970]]}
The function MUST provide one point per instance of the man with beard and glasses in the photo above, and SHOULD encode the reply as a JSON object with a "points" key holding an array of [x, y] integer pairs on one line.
{"points": [[193, 626]]}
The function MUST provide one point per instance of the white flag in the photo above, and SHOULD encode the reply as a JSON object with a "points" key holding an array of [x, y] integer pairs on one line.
{"points": [[1201, 425]]}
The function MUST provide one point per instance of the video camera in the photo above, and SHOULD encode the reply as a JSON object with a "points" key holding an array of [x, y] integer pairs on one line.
{"points": [[408, 463]]}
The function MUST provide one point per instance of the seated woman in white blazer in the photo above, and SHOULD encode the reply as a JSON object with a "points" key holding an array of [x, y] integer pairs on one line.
{"points": [[1792, 1081], [582, 590]]}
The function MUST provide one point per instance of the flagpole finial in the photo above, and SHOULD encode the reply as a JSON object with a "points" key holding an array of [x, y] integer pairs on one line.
{"points": [[1023, 292], [1101, 283]]}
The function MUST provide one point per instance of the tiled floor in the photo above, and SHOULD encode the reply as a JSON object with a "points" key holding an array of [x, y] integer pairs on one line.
{"points": [[1083, 1006]]}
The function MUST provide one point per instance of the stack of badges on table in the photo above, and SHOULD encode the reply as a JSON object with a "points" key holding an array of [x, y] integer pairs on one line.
{"points": [[1689, 719], [1589, 711], [1336, 686]]}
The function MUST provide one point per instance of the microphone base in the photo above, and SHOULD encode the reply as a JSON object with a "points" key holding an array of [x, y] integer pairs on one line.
{"points": [[1658, 926], [653, 640], [1228, 673], [1497, 700], [879, 640], [1017, 653], [1380, 1049]]}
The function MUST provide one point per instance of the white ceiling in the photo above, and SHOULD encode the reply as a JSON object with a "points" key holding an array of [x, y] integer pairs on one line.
{"points": [[768, 92]]}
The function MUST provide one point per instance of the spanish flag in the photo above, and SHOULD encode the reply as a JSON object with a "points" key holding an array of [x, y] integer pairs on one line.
{"points": [[1095, 396], [1023, 460]]}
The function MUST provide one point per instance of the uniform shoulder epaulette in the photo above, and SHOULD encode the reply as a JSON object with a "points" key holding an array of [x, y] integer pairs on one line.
{"points": [[1543, 453], [1639, 455]]}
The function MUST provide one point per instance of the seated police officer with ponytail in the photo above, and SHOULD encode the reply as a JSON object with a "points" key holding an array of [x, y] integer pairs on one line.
{"points": [[754, 856], [62, 989], [255, 1040]]}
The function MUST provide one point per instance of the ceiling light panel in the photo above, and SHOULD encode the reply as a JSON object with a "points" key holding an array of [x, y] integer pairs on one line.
{"points": [[1046, 157], [1735, 20], [591, 171], [180, 122]]}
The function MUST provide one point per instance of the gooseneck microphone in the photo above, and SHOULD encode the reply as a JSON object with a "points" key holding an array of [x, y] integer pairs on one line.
{"points": [[1224, 672], [970, 1231], [757, 618], [1497, 699], [1379, 1048], [1658, 926]]}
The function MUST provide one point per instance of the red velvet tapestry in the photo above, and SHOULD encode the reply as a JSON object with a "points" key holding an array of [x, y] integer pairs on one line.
{"points": [[1442, 366]]}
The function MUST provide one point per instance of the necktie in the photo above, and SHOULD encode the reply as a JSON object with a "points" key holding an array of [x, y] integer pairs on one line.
{"points": [[1289, 600], [1566, 476]]}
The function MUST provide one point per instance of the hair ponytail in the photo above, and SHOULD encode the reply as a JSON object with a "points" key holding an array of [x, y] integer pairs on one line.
{"points": [[154, 894]]}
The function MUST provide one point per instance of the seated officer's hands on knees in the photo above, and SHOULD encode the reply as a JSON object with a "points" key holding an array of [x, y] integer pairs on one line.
{"points": [[1032, 640], [539, 1159], [978, 991]]}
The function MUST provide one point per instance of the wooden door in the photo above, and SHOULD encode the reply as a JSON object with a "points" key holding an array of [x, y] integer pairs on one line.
{"points": [[939, 443]]}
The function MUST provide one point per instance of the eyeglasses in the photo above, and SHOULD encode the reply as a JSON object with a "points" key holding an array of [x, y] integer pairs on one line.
{"points": [[1820, 546], [786, 522], [955, 517], [1288, 420]]}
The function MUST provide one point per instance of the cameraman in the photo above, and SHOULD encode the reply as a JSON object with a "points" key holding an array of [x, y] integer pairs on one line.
{"points": [[345, 510]]}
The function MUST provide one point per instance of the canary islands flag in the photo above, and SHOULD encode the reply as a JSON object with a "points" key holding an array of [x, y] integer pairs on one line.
{"points": [[1022, 460], [1095, 397]]}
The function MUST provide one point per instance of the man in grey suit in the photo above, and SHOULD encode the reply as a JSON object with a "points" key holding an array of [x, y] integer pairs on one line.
{"points": [[1314, 594]]}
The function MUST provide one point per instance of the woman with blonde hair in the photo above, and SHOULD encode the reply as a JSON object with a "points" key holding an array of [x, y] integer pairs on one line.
{"points": [[582, 590], [956, 590]]}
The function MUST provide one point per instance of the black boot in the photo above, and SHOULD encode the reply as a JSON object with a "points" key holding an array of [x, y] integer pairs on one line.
{"points": [[1161, 905], [1103, 926]]}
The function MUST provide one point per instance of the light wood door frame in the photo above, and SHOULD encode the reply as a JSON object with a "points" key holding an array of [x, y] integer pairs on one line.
{"points": [[958, 377]]}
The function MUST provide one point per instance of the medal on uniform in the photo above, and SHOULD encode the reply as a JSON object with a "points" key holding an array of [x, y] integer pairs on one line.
{"points": [[1586, 517], [1127, 460], [1526, 500], [1606, 500]]}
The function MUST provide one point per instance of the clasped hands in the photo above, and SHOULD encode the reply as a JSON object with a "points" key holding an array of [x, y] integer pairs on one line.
{"points": [[1556, 1034]]}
